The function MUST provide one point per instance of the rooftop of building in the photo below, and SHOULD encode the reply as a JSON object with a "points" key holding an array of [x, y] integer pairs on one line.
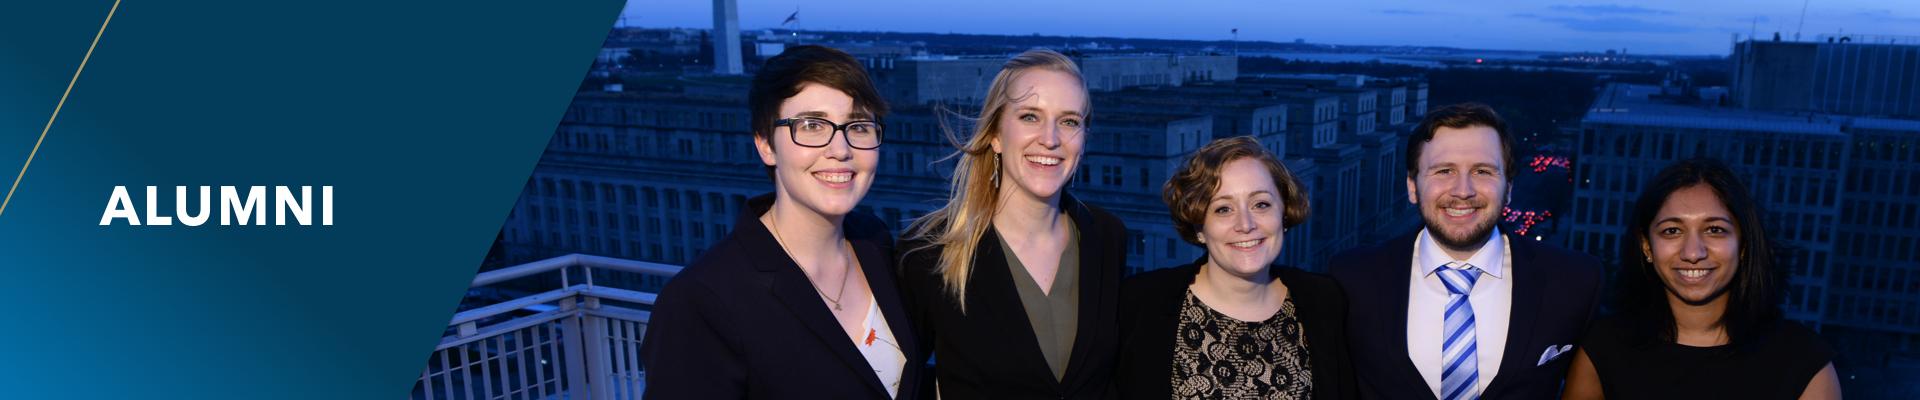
{"points": [[1650, 105], [1137, 116], [1887, 124], [1187, 96], [1852, 39]]}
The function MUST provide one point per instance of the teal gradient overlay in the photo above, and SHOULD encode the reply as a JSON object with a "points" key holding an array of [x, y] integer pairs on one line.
{"points": [[425, 116]]}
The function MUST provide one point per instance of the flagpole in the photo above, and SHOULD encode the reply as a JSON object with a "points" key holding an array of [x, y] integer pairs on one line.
{"points": [[1236, 42]]}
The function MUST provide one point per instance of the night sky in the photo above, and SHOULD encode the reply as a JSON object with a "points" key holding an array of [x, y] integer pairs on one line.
{"points": [[1644, 27]]}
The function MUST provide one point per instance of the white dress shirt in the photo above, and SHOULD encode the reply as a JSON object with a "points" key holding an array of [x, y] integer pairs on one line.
{"points": [[1492, 300], [881, 349]]}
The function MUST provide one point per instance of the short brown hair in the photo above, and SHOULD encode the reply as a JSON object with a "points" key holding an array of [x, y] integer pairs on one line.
{"points": [[1191, 188], [783, 75], [1461, 116]]}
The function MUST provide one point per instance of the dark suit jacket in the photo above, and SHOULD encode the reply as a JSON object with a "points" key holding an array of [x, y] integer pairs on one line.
{"points": [[1150, 313], [1554, 295], [744, 322], [990, 351]]}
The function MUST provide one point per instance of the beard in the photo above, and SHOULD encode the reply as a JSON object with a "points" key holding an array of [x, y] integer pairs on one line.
{"points": [[1473, 238]]}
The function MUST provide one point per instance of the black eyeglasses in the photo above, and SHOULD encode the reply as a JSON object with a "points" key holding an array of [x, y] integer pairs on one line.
{"points": [[818, 132]]}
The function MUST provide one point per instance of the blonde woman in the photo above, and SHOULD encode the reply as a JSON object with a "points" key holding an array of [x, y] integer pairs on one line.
{"points": [[1014, 282]]}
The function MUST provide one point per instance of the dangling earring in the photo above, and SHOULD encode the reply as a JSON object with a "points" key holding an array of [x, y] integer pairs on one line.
{"points": [[996, 170]]}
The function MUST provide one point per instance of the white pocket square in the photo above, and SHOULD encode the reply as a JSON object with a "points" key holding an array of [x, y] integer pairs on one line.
{"points": [[1553, 352]]}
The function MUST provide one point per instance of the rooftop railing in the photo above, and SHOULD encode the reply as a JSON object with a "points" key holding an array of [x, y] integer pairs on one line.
{"points": [[580, 340]]}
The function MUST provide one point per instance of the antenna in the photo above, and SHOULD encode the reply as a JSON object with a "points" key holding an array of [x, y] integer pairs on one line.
{"points": [[1803, 20]]}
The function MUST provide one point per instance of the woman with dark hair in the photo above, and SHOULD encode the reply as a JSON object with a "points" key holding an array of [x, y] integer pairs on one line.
{"points": [[1231, 324], [799, 301], [1700, 303]]}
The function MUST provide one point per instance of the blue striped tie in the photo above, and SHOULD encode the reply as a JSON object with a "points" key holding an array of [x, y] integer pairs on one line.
{"points": [[1461, 376]]}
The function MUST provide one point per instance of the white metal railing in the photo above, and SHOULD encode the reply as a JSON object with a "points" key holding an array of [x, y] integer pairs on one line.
{"points": [[572, 342]]}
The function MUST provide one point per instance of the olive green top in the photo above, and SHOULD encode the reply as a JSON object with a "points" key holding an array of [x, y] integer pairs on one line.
{"points": [[1055, 313]]}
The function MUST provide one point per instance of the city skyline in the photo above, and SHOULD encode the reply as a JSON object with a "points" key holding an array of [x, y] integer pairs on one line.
{"points": [[1640, 27]]}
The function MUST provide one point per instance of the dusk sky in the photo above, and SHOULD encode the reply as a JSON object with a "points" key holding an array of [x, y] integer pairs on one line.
{"points": [[1655, 27]]}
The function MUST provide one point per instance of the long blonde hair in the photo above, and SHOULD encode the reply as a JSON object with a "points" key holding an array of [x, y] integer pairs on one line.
{"points": [[957, 227]]}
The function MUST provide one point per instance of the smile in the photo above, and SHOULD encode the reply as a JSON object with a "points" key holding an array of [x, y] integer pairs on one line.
{"points": [[1248, 244], [1044, 160], [1693, 275], [834, 176]]}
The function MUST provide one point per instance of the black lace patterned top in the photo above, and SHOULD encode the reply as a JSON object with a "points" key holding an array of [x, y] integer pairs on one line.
{"points": [[1218, 357]]}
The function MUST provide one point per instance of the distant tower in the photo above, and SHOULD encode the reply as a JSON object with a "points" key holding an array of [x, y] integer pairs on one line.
{"points": [[726, 37]]}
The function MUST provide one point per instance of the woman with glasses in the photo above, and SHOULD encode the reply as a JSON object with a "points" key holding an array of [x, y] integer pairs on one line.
{"points": [[799, 301], [1699, 303], [1014, 283]]}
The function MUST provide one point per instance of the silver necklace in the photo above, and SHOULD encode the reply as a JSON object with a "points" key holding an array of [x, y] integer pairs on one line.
{"points": [[835, 299]]}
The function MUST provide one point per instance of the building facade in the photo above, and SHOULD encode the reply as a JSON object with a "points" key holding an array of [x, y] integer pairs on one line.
{"points": [[1866, 75]]}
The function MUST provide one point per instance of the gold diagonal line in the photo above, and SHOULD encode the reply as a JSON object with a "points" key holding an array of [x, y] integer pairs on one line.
{"points": [[57, 106]]}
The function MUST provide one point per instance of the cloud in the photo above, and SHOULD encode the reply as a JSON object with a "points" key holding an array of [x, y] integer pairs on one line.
{"points": [[1608, 24], [1609, 9]]}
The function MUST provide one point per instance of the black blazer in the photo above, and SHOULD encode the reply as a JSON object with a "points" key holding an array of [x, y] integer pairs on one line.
{"points": [[744, 322], [990, 351], [1150, 313], [1554, 295]]}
